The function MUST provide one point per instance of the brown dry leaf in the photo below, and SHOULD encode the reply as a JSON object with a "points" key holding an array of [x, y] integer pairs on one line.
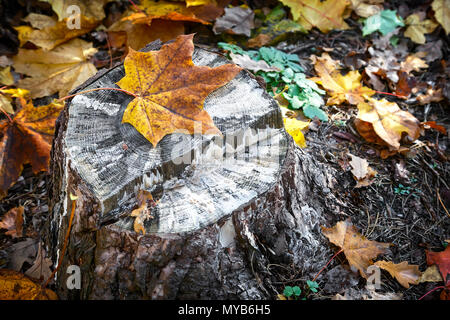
{"points": [[16, 286], [40, 270], [362, 172], [431, 274], [139, 35], [27, 139], [442, 13], [51, 36], [175, 11], [143, 212], [340, 88], [357, 249], [405, 273], [326, 15], [259, 41], [366, 8], [59, 70], [431, 96], [236, 20], [413, 63], [417, 27], [89, 8], [13, 222], [170, 90], [383, 122]]}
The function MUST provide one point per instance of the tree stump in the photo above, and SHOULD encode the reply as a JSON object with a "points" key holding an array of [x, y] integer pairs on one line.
{"points": [[227, 208]]}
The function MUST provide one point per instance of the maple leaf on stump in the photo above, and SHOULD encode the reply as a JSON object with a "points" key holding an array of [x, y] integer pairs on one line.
{"points": [[357, 249], [170, 90], [26, 139]]}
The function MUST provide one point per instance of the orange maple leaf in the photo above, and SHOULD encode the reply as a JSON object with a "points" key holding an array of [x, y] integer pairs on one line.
{"points": [[357, 249], [26, 139], [170, 90]]}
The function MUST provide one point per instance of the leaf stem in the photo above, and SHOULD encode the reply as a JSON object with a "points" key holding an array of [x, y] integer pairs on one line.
{"points": [[434, 289], [391, 94], [6, 114], [96, 89], [327, 264]]}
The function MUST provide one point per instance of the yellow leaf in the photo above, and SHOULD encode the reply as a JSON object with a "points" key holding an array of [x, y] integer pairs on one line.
{"points": [[143, 212], [6, 77], [326, 15], [340, 88], [442, 13], [294, 127], [59, 70], [416, 28], [170, 90], [357, 249], [193, 3], [405, 273], [51, 36], [16, 286], [383, 122]]}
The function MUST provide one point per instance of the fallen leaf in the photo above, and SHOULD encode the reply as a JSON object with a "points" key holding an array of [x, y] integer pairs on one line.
{"points": [[326, 15], [405, 273], [442, 260], [16, 286], [357, 249], [340, 88], [387, 121], [431, 274], [6, 96], [359, 166], [50, 37], [412, 63], [431, 95], [137, 36], [435, 126], [236, 20], [294, 127], [442, 13], [40, 270], [433, 50], [59, 70], [259, 41], [246, 62], [13, 222], [21, 252], [143, 212], [6, 77], [27, 139], [170, 90], [89, 8], [384, 21], [366, 8], [417, 28]]}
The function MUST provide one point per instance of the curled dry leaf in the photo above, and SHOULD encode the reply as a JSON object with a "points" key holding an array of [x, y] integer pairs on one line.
{"points": [[16, 286], [431, 95], [13, 222], [143, 212], [170, 90], [27, 139], [326, 15], [248, 63], [59, 70], [383, 122], [413, 63], [366, 8], [405, 273], [431, 274], [357, 249], [362, 172]]}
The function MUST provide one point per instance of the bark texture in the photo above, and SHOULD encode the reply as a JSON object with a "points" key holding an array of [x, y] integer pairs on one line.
{"points": [[220, 225]]}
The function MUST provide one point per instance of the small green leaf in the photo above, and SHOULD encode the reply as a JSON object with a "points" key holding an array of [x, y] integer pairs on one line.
{"points": [[384, 21], [288, 291], [312, 284], [313, 111], [297, 291]]}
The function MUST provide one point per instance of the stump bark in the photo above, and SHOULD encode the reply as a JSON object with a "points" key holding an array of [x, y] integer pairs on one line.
{"points": [[228, 208]]}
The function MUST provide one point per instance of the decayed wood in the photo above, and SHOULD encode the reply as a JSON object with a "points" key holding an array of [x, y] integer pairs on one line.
{"points": [[219, 224]]}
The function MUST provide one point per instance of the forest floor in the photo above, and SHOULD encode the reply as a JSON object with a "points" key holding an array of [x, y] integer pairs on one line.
{"points": [[407, 204]]}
